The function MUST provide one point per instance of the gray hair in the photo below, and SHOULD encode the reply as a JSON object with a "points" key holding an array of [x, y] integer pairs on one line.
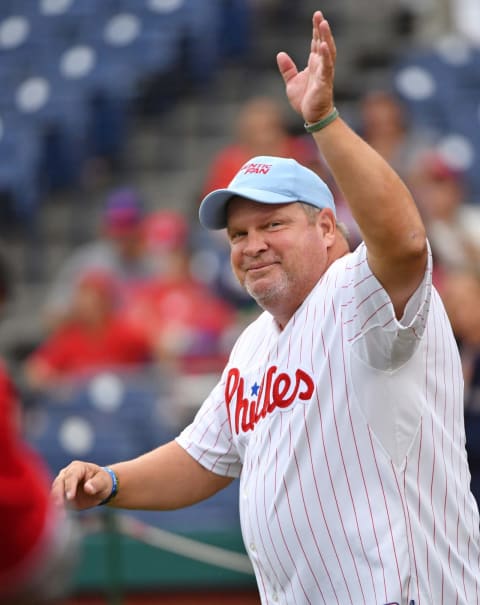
{"points": [[312, 212]]}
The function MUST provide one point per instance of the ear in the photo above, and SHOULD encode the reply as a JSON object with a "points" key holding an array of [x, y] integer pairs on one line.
{"points": [[327, 223]]}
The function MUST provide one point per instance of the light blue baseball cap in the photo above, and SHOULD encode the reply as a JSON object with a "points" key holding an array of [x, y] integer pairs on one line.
{"points": [[268, 180]]}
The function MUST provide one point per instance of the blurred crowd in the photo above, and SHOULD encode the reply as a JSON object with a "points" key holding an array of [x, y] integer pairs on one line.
{"points": [[153, 288], [130, 297]]}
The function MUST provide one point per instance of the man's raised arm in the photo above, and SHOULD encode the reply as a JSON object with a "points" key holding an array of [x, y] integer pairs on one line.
{"points": [[379, 200]]}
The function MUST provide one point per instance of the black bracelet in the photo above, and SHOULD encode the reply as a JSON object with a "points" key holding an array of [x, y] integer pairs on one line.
{"points": [[115, 485]]}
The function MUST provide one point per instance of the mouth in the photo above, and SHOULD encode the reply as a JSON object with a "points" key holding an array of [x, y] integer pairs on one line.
{"points": [[259, 264], [259, 267]]}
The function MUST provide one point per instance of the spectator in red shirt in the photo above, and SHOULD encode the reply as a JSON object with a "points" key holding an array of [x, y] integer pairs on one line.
{"points": [[38, 542], [117, 249], [260, 129], [452, 222], [185, 320], [95, 337]]}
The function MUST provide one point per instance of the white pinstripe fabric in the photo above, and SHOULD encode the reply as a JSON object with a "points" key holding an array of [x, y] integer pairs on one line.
{"points": [[346, 430]]}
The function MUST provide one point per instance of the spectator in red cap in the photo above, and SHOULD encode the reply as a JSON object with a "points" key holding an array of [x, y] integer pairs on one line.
{"points": [[452, 223], [384, 123], [96, 336], [260, 129], [119, 249], [185, 320], [38, 542]]}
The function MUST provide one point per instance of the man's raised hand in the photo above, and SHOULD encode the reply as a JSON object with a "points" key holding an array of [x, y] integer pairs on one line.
{"points": [[310, 91]]}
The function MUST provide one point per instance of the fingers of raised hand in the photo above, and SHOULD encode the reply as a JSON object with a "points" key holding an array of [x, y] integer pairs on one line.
{"points": [[327, 37], [316, 20], [321, 32]]}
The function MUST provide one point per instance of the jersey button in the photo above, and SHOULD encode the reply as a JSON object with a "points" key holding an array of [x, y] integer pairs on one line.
{"points": [[274, 597], [253, 548]]}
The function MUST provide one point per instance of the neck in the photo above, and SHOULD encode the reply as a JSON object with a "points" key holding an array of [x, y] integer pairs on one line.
{"points": [[283, 313]]}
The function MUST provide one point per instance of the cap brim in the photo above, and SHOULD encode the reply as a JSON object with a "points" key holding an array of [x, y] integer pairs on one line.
{"points": [[213, 209]]}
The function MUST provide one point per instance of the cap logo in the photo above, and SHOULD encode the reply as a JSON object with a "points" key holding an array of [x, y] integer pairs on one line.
{"points": [[252, 168]]}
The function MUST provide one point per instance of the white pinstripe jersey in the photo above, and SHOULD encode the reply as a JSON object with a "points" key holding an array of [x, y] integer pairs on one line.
{"points": [[346, 429]]}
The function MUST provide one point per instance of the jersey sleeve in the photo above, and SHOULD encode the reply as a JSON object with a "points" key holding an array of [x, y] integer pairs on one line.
{"points": [[208, 438], [377, 337]]}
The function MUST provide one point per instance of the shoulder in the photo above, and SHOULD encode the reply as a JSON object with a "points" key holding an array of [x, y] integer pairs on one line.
{"points": [[352, 261], [344, 273]]}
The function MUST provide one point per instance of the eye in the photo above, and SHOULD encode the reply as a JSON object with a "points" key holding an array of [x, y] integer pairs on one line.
{"points": [[274, 224], [234, 236]]}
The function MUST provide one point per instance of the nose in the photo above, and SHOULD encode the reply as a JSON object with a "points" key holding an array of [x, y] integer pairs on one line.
{"points": [[254, 243]]}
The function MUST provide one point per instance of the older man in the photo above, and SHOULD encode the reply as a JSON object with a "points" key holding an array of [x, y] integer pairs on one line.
{"points": [[341, 407]]}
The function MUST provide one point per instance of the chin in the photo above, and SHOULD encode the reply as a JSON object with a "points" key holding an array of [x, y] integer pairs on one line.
{"points": [[259, 292], [266, 298], [268, 291]]}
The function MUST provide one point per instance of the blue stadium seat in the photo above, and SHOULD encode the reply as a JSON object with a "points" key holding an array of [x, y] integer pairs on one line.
{"points": [[105, 419], [203, 28], [19, 162], [421, 82], [175, 42], [440, 88]]}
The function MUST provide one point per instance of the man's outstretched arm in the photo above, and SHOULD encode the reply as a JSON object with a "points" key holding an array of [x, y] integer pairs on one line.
{"points": [[163, 479]]}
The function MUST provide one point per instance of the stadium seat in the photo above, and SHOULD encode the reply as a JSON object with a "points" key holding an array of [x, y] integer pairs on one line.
{"points": [[440, 88], [104, 419], [117, 51], [19, 161]]}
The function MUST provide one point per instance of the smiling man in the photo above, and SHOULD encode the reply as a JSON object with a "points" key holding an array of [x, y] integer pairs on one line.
{"points": [[280, 220], [341, 407]]}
